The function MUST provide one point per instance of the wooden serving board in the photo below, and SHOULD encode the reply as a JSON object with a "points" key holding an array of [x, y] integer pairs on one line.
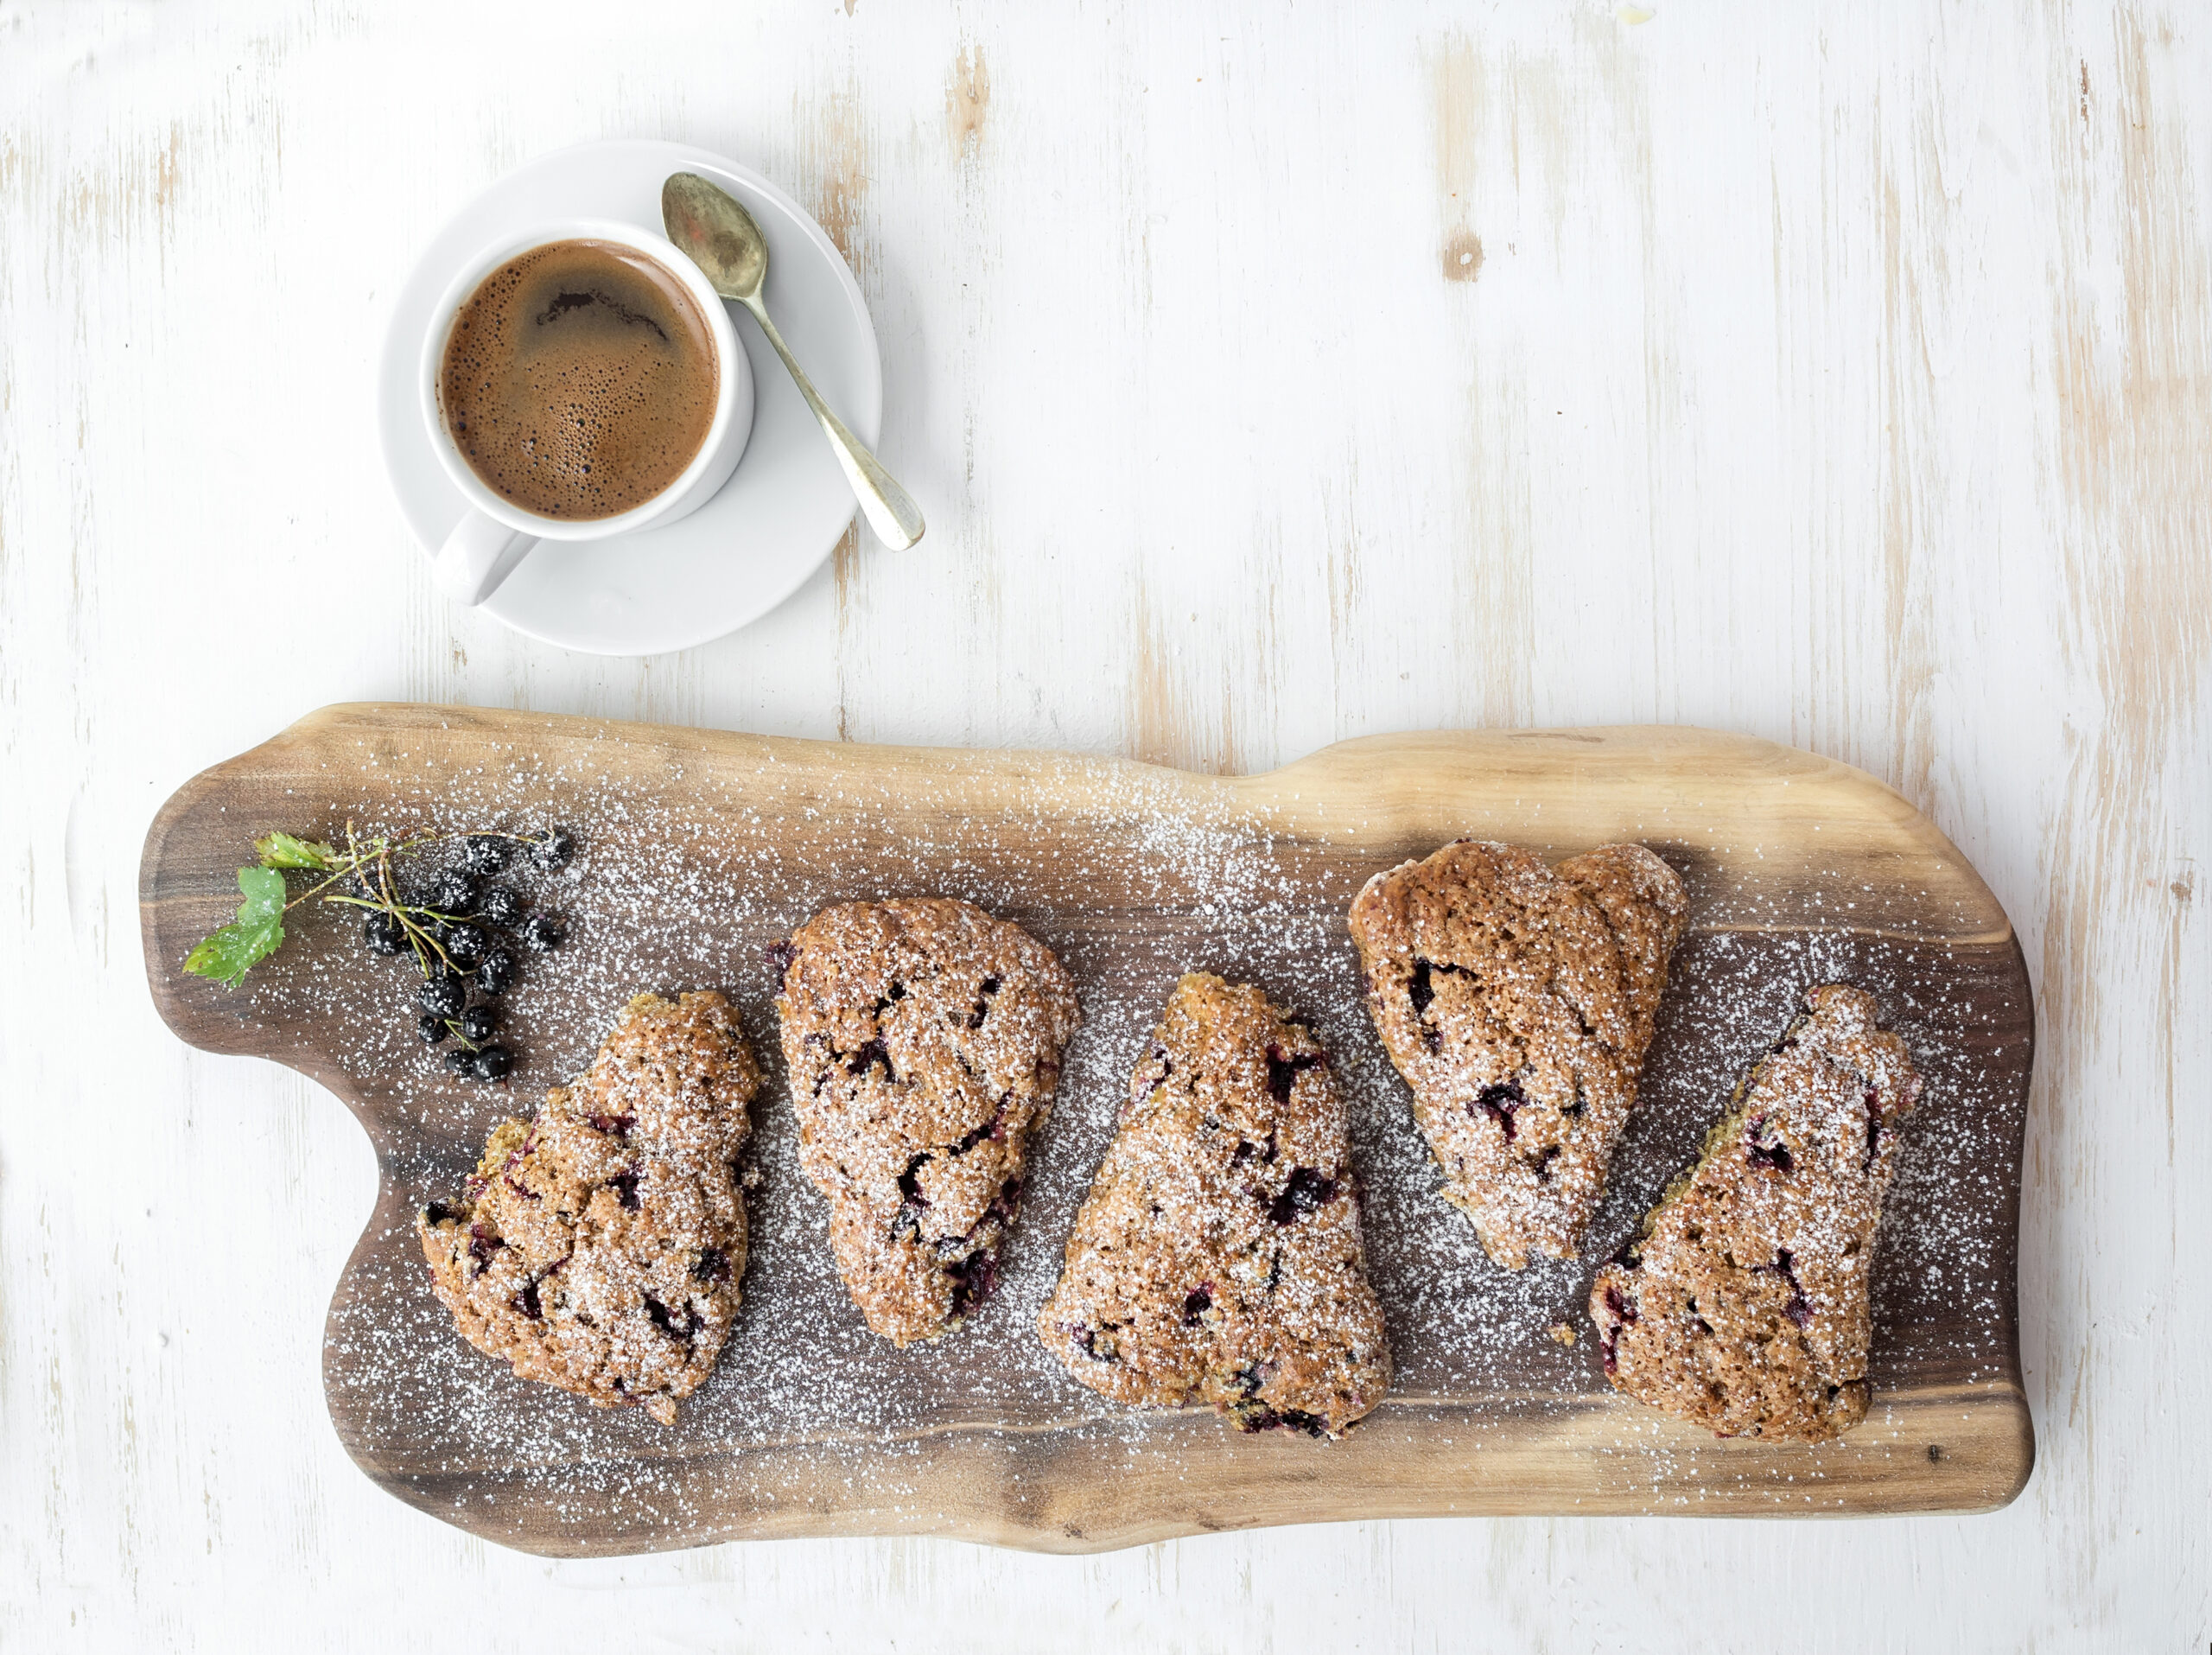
{"points": [[703, 846]]}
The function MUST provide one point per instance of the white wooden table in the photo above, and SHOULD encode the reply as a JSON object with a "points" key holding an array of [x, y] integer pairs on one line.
{"points": [[1271, 374]]}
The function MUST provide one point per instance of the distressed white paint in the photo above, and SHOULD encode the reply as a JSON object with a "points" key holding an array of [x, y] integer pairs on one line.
{"points": [[1843, 376]]}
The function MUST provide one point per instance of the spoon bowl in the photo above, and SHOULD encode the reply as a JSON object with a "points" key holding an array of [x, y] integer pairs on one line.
{"points": [[717, 233]]}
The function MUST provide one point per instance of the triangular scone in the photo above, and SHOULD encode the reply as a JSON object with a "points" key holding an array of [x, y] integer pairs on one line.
{"points": [[600, 1246], [923, 1039], [1742, 1304], [1518, 1000], [1217, 1257]]}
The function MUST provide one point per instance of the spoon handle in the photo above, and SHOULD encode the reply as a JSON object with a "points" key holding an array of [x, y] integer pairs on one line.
{"points": [[890, 509]]}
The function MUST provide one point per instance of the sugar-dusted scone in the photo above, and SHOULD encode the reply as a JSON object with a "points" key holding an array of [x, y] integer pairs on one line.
{"points": [[600, 1246], [1217, 1257], [923, 1039], [1517, 1002], [1742, 1306]]}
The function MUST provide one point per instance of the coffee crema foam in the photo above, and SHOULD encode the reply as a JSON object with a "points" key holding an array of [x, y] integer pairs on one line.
{"points": [[579, 380]]}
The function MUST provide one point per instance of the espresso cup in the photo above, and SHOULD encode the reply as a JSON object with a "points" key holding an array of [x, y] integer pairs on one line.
{"points": [[494, 534]]}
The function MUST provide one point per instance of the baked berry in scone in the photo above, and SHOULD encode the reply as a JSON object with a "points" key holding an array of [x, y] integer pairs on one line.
{"points": [[1217, 1257], [1517, 1002], [924, 1038], [599, 1247], [1742, 1306]]}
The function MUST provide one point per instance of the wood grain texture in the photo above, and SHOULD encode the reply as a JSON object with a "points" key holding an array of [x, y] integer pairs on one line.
{"points": [[1799, 869], [1839, 376]]}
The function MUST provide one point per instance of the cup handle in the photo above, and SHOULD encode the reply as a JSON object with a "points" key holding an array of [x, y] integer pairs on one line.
{"points": [[481, 552]]}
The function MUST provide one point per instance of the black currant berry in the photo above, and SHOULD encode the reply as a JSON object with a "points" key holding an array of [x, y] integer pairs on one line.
{"points": [[442, 996], [477, 1024], [552, 849], [487, 853], [490, 1063], [461, 1060], [499, 907], [498, 972], [543, 933], [451, 892], [466, 943], [385, 935], [433, 1030]]}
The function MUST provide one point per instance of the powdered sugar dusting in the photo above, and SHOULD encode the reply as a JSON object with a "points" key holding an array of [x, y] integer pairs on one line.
{"points": [[692, 861]]}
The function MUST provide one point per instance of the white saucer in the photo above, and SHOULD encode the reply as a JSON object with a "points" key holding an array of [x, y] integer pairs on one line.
{"points": [[772, 524]]}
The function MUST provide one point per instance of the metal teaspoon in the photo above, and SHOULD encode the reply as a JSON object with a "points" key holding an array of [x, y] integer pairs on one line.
{"points": [[711, 225]]}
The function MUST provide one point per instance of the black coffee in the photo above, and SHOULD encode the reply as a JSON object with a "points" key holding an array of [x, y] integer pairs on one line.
{"points": [[579, 380]]}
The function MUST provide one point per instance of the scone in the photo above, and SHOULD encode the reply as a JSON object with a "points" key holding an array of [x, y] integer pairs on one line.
{"points": [[1518, 1000], [1742, 1306], [599, 1247], [1217, 1257], [923, 1039]]}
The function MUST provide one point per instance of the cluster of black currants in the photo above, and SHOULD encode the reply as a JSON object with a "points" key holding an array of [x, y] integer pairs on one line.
{"points": [[465, 932]]}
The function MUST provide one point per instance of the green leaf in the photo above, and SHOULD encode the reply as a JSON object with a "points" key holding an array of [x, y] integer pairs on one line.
{"points": [[282, 850], [230, 953]]}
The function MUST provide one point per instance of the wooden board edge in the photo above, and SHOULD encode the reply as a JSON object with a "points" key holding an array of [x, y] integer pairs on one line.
{"points": [[1880, 801], [1999, 1468], [1569, 742], [164, 974]]}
